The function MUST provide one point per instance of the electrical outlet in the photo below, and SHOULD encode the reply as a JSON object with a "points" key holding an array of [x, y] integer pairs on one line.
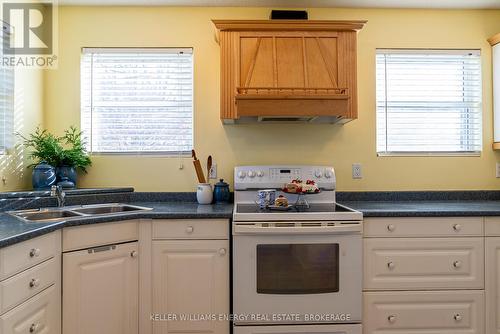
{"points": [[213, 171], [356, 171], [497, 169]]}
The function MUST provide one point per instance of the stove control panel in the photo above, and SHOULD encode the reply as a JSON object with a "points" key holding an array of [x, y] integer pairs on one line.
{"points": [[260, 177]]}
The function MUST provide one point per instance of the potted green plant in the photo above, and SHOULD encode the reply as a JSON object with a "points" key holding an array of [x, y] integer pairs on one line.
{"points": [[56, 158], [72, 157]]}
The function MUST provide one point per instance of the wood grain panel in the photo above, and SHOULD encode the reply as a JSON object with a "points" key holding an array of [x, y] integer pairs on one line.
{"points": [[290, 67]]}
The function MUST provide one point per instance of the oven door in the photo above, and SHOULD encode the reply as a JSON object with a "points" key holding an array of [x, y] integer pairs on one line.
{"points": [[297, 277], [300, 329]]}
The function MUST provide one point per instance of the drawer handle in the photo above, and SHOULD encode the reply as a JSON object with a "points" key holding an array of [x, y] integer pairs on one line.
{"points": [[391, 228], [457, 317], [133, 254], [391, 318], [189, 229], [222, 251], [34, 252], [34, 283], [391, 265], [34, 328], [457, 227], [457, 264]]}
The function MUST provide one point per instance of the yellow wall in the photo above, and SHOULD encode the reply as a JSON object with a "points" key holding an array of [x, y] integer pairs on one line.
{"points": [[232, 145], [28, 103]]}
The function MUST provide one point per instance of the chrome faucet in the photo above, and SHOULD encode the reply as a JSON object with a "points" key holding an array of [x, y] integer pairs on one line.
{"points": [[58, 192]]}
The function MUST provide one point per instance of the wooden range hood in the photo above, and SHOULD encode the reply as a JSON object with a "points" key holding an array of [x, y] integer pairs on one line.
{"points": [[288, 70]]}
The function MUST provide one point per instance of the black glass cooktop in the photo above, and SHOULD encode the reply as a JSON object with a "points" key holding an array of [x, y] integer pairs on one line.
{"points": [[313, 208]]}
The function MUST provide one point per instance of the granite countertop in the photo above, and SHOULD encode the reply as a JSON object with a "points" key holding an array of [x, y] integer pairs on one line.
{"points": [[429, 208], [184, 206], [13, 230]]}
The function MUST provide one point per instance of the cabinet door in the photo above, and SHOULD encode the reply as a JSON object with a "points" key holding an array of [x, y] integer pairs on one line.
{"points": [[492, 282], [190, 286], [101, 290]]}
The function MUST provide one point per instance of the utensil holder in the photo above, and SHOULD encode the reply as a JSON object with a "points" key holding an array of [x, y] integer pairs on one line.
{"points": [[204, 194]]}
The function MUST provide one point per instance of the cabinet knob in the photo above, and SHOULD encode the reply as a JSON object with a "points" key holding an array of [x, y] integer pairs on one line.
{"points": [[34, 327], [34, 252], [189, 229], [34, 283], [133, 254], [222, 251], [457, 317], [457, 227], [457, 264], [391, 265], [391, 228], [391, 318]]}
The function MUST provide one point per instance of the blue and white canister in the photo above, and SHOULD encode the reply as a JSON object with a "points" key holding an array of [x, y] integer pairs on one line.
{"points": [[266, 197]]}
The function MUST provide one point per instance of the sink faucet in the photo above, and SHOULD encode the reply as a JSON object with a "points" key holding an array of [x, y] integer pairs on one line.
{"points": [[58, 192]]}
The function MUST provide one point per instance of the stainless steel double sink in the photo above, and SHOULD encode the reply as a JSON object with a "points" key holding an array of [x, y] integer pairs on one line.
{"points": [[73, 212]]}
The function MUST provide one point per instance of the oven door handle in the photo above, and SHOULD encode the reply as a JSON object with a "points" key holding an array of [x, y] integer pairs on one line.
{"points": [[259, 229]]}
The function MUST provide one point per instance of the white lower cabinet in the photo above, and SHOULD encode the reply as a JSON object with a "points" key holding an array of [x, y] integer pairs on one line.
{"points": [[100, 287], [190, 280], [493, 285], [427, 276], [39, 315], [429, 312]]}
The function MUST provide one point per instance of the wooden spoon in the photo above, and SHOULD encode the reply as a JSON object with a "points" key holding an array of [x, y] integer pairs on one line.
{"points": [[209, 166]]}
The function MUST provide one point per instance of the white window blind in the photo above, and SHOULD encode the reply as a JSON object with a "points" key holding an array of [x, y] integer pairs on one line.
{"points": [[137, 100], [428, 101], [6, 97]]}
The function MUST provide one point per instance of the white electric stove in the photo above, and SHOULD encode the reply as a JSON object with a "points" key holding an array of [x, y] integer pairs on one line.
{"points": [[300, 270]]}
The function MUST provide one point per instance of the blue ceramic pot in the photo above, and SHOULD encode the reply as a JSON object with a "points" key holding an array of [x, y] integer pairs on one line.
{"points": [[66, 173], [221, 192], [44, 176]]}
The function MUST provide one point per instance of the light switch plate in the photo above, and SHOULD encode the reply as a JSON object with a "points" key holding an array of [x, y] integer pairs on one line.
{"points": [[497, 169], [213, 171]]}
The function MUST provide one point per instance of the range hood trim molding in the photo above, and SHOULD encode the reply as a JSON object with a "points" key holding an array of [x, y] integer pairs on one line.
{"points": [[289, 25]]}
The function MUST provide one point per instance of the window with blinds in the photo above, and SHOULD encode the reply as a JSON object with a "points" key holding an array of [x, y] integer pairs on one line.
{"points": [[6, 97], [137, 100], [428, 101]]}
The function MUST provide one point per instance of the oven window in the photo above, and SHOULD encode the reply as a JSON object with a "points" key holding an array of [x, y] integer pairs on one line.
{"points": [[297, 268]]}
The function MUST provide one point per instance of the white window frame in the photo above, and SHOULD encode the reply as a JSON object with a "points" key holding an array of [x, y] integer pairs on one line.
{"points": [[159, 154], [7, 141], [476, 52]]}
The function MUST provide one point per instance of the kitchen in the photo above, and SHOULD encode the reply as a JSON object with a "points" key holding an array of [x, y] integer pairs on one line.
{"points": [[396, 239]]}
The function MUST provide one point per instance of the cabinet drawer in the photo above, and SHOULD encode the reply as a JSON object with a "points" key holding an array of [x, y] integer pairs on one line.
{"points": [[492, 226], [81, 237], [423, 263], [423, 227], [191, 229], [18, 288], [39, 315], [430, 312], [26, 254]]}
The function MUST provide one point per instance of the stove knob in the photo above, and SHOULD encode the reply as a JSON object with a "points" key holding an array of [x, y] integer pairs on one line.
{"points": [[251, 174], [317, 173], [328, 173], [260, 173], [241, 174]]}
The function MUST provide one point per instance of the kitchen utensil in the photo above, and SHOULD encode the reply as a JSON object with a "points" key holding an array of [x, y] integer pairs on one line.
{"points": [[221, 192], [209, 166], [197, 168], [204, 193]]}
